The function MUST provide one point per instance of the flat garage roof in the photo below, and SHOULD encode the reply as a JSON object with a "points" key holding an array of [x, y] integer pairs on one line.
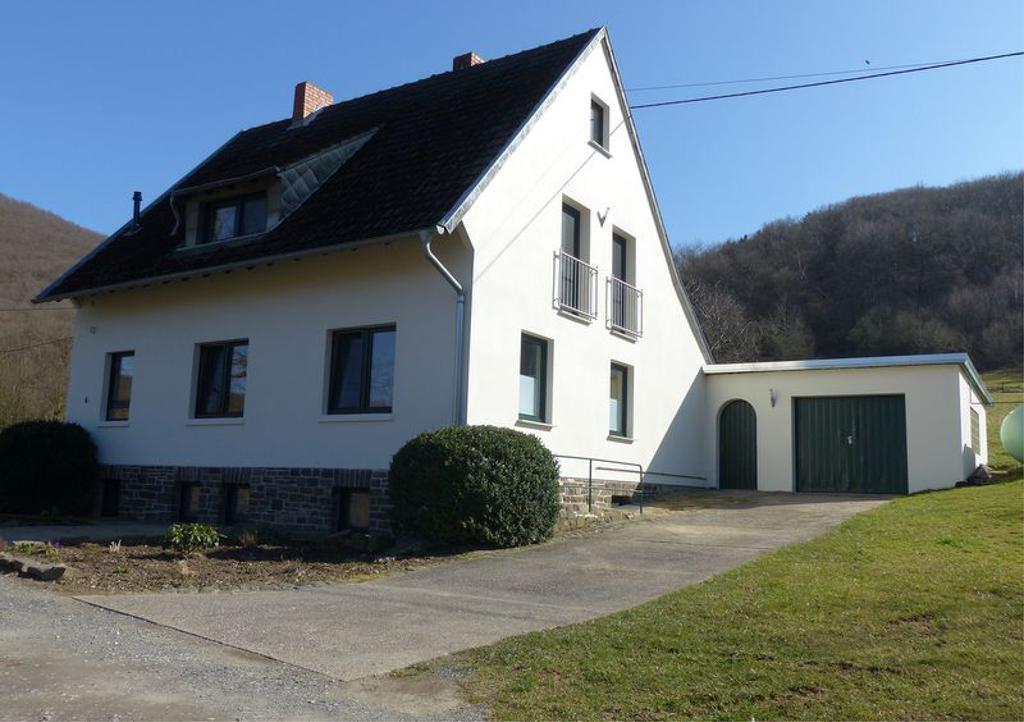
{"points": [[960, 359]]}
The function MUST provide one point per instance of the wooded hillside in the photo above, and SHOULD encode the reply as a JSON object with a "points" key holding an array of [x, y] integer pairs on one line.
{"points": [[917, 270], [36, 246]]}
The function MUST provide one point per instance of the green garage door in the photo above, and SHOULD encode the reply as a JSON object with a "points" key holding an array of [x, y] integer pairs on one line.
{"points": [[851, 444]]}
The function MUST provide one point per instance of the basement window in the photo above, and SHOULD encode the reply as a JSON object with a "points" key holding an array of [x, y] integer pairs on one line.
{"points": [[189, 502], [233, 217], [354, 510], [236, 503]]}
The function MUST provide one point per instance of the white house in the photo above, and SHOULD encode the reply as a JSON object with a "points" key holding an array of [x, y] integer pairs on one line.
{"points": [[482, 246]]}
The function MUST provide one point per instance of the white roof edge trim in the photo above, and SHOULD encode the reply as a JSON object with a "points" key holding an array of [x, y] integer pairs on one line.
{"points": [[42, 296], [455, 215], [645, 174], [861, 362]]}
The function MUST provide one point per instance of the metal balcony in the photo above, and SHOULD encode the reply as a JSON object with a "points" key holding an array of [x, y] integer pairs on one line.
{"points": [[625, 308], [575, 286]]}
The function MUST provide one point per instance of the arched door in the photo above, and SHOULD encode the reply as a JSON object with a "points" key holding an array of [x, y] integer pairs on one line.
{"points": [[737, 446]]}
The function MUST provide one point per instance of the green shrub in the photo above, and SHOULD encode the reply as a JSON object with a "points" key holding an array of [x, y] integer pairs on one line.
{"points": [[475, 485], [187, 539], [47, 467]]}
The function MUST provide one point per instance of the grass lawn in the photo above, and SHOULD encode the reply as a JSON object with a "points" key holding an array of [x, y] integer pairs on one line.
{"points": [[1007, 389], [914, 610]]}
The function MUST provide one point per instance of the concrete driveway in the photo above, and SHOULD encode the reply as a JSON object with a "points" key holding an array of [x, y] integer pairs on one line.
{"points": [[350, 631]]}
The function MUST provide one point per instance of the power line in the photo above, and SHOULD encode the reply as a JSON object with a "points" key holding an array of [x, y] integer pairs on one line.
{"points": [[823, 82], [36, 345], [852, 71]]}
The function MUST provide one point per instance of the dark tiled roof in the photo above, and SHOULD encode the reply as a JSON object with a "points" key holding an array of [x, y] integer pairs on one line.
{"points": [[434, 138]]}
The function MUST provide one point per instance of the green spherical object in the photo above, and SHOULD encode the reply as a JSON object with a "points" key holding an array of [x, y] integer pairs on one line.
{"points": [[1011, 433]]}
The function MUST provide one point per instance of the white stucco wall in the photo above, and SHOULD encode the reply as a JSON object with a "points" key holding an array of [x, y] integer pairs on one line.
{"points": [[968, 399], [935, 417], [514, 227], [286, 311]]}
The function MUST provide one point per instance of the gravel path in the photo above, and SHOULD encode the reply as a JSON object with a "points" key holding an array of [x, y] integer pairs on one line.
{"points": [[63, 660]]}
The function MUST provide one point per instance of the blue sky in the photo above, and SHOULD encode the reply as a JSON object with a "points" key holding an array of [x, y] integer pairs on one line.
{"points": [[103, 98]]}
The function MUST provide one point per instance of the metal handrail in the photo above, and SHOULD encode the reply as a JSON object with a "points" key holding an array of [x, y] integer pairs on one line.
{"points": [[575, 284], [639, 469], [624, 307]]}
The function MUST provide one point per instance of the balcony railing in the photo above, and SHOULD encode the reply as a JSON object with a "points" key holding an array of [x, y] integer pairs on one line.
{"points": [[575, 286], [625, 308]]}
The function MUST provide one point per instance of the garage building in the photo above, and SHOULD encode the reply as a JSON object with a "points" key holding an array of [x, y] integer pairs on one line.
{"points": [[885, 425]]}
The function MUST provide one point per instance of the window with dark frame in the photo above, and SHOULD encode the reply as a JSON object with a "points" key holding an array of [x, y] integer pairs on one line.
{"points": [[220, 387], [362, 371], [119, 385], [233, 217], [236, 503], [618, 401], [619, 270], [354, 510], [189, 501], [597, 122], [533, 378], [571, 281]]}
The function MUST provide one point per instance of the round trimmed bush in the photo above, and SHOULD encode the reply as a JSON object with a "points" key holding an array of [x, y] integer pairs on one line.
{"points": [[47, 467], [475, 485]]}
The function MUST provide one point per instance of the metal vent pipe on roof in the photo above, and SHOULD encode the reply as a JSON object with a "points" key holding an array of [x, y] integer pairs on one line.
{"points": [[136, 206]]}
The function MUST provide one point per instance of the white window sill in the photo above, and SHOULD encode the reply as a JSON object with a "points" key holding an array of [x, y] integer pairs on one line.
{"points": [[530, 424], [576, 316], [624, 335], [621, 439], [224, 421], [112, 425], [346, 418], [600, 149]]}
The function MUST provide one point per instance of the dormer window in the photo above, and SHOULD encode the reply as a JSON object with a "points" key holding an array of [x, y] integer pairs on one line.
{"points": [[234, 217]]}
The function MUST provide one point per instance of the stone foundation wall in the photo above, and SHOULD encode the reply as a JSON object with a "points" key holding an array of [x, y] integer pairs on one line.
{"points": [[306, 501], [296, 500], [579, 498]]}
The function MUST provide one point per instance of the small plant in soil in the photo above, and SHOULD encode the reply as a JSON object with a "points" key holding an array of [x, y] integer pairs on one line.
{"points": [[115, 547], [249, 538], [51, 552], [189, 539]]}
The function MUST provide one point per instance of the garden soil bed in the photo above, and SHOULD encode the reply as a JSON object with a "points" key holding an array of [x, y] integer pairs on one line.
{"points": [[148, 567]]}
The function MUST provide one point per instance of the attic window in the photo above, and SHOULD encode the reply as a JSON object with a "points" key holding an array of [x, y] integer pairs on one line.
{"points": [[598, 123], [234, 217]]}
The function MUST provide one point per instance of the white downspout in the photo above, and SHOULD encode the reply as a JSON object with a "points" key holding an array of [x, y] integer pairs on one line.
{"points": [[426, 237]]}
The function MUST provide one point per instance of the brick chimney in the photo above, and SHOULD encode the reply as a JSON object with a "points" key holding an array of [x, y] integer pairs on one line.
{"points": [[309, 98], [468, 60]]}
